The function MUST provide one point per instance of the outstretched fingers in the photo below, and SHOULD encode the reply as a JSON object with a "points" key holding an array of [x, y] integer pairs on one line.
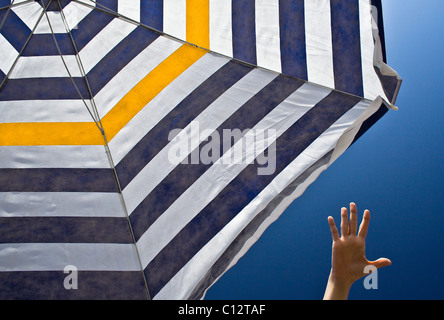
{"points": [[345, 231], [349, 227], [333, 229], [353, 225], [363, 228]]}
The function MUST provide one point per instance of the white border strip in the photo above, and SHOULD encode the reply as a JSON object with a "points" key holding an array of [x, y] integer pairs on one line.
{"points": [[372, 84]]}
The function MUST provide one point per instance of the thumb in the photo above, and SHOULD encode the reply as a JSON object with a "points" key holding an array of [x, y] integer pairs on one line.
{"points": [[381, 262]]}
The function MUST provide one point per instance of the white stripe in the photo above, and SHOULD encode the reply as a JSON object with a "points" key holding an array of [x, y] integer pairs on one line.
{"points": [[90, 55], [220, 27], [212, 117], [133, 73], [129, 9], [28, 13], [93, 156], [102, 44], [60, 204], [198, 195], [73, 12], [44, 111], [8, 54], [267, 35], [56, 256], [162, 104], [45, 66], [371, 82], [318, 40], [184, 282], [174, 18]]}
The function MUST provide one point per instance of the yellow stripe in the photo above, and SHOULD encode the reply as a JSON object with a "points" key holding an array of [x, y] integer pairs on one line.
{"points": [[50, 133], [87, 133], [149, 87], [198, 22]]}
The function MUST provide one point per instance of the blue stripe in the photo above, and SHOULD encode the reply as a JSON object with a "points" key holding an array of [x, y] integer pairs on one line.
{"points": [[88, 28], [244, 30], [151, 13], [93, 23], [98, 77], [14, 30], [184, 175], [346, 46], [43, 89], [292, 37], [156, 139], [92, 285], [389, 84], [57, 180], [119, 57], [367, 124], [242, 190], [2, 76], [378, 5], [43, 45], [53, 6], [64, 230], [109, 4]]}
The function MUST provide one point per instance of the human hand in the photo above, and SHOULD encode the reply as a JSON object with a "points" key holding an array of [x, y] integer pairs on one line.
{"points": [[348, 253]]}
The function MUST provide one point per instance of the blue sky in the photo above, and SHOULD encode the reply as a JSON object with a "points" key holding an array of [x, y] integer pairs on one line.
{"points": [[395, 170]]}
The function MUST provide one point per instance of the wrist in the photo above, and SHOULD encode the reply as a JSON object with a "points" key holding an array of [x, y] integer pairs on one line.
{"points": [[337, 288], [340, 281]]}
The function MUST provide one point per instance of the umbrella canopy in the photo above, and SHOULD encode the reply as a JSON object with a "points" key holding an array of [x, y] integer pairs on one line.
{"points": [[146, 145]]}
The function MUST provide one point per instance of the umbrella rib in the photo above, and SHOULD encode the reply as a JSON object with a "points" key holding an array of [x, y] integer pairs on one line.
{"points": [[69, 73], [7, 12], [81, 69], [125, 210], [24, 46], [108, 152]]}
